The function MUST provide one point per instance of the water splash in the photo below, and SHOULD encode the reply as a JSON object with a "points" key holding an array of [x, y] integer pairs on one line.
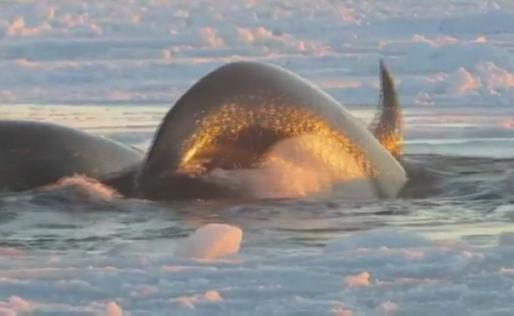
{"points": [[83, 188], [297, 167]]}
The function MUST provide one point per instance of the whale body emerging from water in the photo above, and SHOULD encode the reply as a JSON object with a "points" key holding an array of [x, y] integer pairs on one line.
{"points": [[255, 129], [251, 129], [34, 154]]}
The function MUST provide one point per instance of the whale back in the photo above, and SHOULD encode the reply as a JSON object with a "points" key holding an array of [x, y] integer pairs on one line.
{"points": [[236, 115], [34, 154]]}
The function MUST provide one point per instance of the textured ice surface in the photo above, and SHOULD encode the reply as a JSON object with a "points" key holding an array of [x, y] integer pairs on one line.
{"points": [[441, 52], [430, 278]]}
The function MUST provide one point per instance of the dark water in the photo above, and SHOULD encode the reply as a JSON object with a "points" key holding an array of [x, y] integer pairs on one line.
{"points": [[446, 196]]}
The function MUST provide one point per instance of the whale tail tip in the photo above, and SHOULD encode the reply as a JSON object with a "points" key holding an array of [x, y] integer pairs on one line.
{"points": [[387, 125]]}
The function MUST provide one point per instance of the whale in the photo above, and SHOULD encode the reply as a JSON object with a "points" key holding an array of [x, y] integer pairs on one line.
{"points": [[34, 154], [246, 129], [253, 120]]}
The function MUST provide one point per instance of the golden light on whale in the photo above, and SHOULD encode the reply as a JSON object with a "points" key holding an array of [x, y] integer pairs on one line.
{"points": [[315, 157], [257, 130], [245, 130], [228, 125]]}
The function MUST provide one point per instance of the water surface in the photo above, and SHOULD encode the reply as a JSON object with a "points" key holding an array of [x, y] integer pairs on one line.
{"points": [[447, 244]]}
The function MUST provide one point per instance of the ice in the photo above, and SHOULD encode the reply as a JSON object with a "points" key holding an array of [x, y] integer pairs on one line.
{"points": [[211, 241], [387, 239], [151, 52], [339, 311], [387, 308], [359, 280], [190, 301], [15, 305], [507, 239], [375, 280], [494, 77], [7, 312], [113, 309], [461, 82]]}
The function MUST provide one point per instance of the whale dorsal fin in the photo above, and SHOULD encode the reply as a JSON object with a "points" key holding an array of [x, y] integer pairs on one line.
{"points": [[387, 125]]}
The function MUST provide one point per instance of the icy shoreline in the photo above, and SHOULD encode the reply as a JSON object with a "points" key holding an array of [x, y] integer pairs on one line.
{"points": [[382, 272], [441, 53]]}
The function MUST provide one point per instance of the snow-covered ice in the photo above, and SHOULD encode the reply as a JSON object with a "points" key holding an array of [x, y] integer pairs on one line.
{"points": [[113, 309], [211, 241], [441, 52], [430, 278]]}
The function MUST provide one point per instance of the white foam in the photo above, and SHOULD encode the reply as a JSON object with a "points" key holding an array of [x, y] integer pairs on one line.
{"points": [[300, 166], [382, 238]]}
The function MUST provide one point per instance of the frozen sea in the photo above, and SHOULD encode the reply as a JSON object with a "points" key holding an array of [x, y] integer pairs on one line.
{"points": [[446, 246]]}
